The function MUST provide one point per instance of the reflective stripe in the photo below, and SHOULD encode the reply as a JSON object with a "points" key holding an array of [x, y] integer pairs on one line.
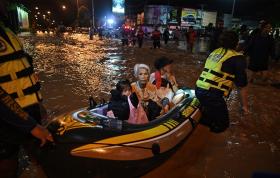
{"points": [[209, 81], [27, 91], [218, 74], [13, 56], [23, 73], [27, 100], [213, 72], [5, 78], [212, 75]]}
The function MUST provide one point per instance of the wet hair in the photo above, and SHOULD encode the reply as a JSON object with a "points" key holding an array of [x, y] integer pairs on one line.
{"points": [[162, 62], [139, 66], [228, 40], [122, 85]]}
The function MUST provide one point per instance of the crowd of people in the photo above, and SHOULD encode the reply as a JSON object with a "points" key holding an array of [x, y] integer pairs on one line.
{"points": [[130, 36]]}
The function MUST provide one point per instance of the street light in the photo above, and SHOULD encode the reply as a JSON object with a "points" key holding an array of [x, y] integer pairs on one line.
{"points": [[49, 12], [36, 8], [63, 7]]}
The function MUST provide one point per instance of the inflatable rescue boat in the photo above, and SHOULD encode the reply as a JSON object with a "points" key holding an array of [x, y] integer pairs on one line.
{"points": [[90, 144]]}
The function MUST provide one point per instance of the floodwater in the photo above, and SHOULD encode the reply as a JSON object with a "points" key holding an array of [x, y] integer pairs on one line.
{"points": [[72, 68]]}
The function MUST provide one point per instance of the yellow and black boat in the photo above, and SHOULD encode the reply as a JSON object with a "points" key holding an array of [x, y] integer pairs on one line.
{"points": [[89, 144]]}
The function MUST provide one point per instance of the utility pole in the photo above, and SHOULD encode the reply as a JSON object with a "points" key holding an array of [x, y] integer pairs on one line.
{"points": [[92, 7], [77, 9], [232, 12], [78, 13], [233, 6]]}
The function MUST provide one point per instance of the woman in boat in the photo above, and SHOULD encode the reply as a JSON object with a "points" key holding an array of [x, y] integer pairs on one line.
{"points": [[146, 91]]}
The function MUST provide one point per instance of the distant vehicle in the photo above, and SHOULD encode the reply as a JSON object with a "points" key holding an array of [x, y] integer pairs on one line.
{"points": [[69, 29], [190, 19]]}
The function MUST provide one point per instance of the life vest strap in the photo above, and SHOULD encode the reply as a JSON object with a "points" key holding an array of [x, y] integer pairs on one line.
{"points": [[14, 56], [27, 91], [23, 73], [218, 74], [214, 83]]}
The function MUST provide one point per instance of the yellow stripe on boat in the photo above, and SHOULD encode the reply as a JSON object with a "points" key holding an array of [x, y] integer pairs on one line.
{"points": [[173, 121], [146, 134], [136, 136], [169, 125]]}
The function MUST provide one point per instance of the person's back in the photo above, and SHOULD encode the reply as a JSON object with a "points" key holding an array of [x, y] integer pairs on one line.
{"points": [[156, 34], [19, 100], [223, 68], [140, 33], [166, 33], [260, 48], [156, 38]]}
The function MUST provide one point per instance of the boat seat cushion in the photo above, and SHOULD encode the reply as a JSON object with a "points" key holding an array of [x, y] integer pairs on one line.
{"points": [[179, 96], [102, 110]]}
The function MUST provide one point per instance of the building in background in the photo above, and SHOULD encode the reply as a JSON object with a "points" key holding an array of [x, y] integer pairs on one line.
{"points": [[209, 17], [18, 17], [118, 11], [156, 14]]}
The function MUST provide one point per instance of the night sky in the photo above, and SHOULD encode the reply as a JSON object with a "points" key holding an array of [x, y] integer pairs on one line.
{"points": [[253, 9]]}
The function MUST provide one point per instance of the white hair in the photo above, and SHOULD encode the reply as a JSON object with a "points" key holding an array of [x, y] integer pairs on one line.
{"points": [[139, 66]]}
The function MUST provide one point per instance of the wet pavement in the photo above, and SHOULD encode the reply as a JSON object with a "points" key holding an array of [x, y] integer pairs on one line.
{"points": [[72, 68]]}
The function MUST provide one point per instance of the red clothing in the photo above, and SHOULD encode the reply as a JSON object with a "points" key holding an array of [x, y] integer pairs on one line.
{"points": [[191, 36], [156, 35], [140, 34]]}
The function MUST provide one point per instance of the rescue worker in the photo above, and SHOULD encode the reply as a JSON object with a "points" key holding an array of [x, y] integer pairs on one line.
{"points": [[223, 68], [19, 99], [156, 38]]}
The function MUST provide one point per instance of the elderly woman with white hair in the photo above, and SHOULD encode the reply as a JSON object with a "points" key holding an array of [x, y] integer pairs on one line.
{"points": [[146, 91]]}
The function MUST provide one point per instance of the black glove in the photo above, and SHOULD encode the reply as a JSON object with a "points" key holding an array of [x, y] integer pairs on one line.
{"points": [[134, 100]]}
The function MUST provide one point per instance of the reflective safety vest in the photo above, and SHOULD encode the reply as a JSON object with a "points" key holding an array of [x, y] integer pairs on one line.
{"points": [[212, 76], [17, 77]]}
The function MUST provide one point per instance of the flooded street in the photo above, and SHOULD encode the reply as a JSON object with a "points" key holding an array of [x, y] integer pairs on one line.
{"points": [[72, 68]]}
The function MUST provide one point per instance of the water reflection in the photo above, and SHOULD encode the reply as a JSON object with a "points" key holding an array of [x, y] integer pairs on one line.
{"points": [[72, 68]]}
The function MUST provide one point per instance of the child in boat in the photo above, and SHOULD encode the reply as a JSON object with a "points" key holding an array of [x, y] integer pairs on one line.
{"points": [[124, 104], [165, 95]]}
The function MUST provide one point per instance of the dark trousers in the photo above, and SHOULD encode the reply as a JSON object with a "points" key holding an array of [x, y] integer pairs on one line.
{"points": [[9, 147], [214, 109], [124, 42], [140, 42], [156, 43], [165, 41]]}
